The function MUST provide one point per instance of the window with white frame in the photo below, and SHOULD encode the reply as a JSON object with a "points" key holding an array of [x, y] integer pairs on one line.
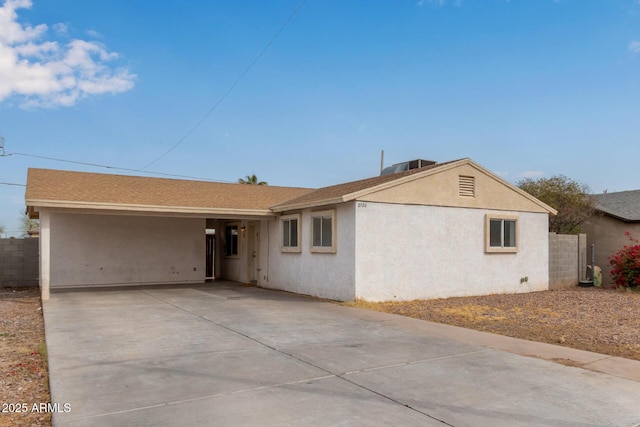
{"points": [[290, 232], [323, 231], [501, 234]]}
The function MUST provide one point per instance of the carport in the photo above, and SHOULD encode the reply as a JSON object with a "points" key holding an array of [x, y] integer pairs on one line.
{"points": [[118, 230]]}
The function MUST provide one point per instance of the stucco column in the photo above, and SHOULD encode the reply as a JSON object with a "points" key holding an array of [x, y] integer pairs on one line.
{"points": [[45, 255]]}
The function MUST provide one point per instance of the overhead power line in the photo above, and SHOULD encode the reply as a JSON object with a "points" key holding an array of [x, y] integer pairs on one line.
{"points": [[228, 91], [97, 165], [181, 140]]}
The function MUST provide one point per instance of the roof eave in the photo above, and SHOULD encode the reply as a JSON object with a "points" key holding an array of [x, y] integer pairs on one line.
{"points": [[33, 206], [404, 179], [612, 215], [443, 168], [538, 202], [307, 205], [408, 178], [361, 193]]}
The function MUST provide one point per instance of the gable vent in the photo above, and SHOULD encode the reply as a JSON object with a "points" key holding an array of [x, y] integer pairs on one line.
{"points": [[467, 186]]}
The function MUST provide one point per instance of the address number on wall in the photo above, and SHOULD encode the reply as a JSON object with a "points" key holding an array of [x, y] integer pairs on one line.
{"points": [[362, 204]]}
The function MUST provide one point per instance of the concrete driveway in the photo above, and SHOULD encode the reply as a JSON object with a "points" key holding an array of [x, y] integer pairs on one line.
{"points": [[227, 355]]}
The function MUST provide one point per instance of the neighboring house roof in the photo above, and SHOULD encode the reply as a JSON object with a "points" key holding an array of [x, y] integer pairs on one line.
{"points": [[623, 205], [64, 189]]}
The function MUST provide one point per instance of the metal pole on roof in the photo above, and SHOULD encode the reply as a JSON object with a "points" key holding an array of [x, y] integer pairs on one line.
{"points": [[2, 145], [381, 160]]}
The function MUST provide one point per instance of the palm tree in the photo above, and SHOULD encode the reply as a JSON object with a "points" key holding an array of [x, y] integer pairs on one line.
{"points": [[27, 224], [251, 180]]}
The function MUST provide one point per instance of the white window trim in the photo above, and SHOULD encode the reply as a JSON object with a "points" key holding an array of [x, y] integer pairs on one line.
{"points": [[239, 248], [292, 249], [334, 236], [487, 234]]}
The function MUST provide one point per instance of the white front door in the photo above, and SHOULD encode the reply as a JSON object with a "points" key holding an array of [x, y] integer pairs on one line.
{"points": [[253, 231]]}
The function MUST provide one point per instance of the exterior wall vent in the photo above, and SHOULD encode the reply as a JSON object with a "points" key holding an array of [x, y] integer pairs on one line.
{"points": [[466, 186]]}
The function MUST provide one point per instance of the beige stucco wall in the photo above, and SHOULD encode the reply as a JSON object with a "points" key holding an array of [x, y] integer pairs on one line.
{"points": [[100, 250], [324, 275], [441, 189], [607, 234], [406, 252]]}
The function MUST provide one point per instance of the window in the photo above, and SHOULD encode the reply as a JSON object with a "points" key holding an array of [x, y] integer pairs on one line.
{"points": [[323, 231], [231, 240], [501, 234], [290, 230]]}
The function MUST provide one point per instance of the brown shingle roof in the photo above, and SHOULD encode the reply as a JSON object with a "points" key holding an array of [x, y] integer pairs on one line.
{"points": [[59, 187], [55, 188]]}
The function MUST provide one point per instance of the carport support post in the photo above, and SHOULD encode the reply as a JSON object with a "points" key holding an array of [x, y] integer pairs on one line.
{"points": [[45, 255]]}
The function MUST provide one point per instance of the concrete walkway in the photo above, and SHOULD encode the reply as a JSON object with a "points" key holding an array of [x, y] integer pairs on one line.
{"points": [[226, 355]]}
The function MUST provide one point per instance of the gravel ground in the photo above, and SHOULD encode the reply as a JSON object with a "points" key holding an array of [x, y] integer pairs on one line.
{"points": [[24, 379], [595, 319]]}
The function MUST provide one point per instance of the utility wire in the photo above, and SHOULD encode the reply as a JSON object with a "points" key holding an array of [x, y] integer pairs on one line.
{"points": [[107, 167], [11, 183], [224, 96], [211, 110]]}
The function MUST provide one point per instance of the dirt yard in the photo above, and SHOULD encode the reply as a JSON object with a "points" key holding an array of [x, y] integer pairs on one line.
{"points": [[24, 379], [600, 320]]}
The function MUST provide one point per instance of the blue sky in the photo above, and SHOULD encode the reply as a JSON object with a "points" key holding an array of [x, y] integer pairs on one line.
{"points": [[525, 88]]}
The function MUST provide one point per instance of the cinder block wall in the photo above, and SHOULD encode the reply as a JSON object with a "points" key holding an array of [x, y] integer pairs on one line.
{"points": [[19, 262], [567, 260]]}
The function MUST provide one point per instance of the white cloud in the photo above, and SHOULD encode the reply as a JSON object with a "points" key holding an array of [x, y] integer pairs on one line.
{"points": [[43, 74], [94, 34], [61, 29], [436, 2], [634, 46], [532, 174]]}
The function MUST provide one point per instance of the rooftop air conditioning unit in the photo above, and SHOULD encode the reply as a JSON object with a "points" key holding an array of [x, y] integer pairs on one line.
{"points": [[405, 166]]}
